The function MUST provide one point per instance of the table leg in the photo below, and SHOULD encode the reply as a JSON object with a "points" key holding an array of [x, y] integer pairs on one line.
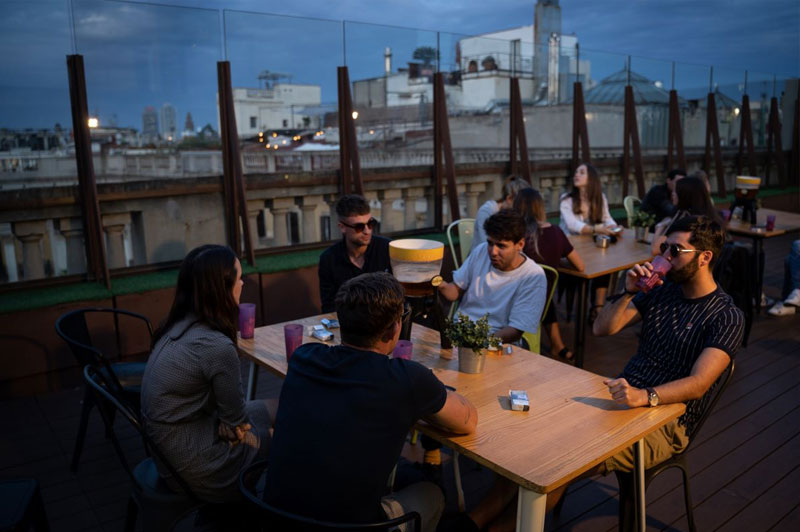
{"points": [[580, 322], [531, 507], [638, 485], [758, 250], [252, 381]]}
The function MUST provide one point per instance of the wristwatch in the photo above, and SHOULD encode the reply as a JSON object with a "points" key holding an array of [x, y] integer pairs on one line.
{"points": [[652, 396]]}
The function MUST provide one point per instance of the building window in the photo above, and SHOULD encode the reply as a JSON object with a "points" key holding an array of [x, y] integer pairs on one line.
{"points": [[252, 122], [285, 123], [325, 227]]}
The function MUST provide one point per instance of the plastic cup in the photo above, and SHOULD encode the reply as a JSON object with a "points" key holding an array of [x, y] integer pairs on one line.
{"points": [[247, 320], [403, 349], [293, 337], [660, 268], [726, 214], [770, 222]]}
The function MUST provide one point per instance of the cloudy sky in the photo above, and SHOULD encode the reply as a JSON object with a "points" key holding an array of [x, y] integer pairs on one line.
{"points": [[139, 54]]}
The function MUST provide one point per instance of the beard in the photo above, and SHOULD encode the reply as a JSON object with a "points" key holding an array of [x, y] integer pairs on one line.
{"points": [[684, 274]]}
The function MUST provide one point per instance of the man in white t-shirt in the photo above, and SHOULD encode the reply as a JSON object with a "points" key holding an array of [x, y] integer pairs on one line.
{"points": [[498, 279]]}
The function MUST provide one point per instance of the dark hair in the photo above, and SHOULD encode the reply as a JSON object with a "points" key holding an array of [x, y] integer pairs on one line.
{"points": [[367, 306], [512, 186], [506, 224], [351, 205], [530, 205], [204, 288], [675, 172], [693, 198], [594, 193], [707, 234]]}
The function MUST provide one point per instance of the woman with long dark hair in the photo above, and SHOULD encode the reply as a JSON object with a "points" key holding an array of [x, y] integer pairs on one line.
{"points": [[546, 244], [691, 198], [192, 401]]}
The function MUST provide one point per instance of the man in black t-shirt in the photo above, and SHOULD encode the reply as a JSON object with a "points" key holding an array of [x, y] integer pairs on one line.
{"points": [[658, 200], [345, 412], [359, 251]]}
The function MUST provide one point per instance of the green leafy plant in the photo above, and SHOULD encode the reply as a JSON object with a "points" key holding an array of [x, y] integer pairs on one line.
{"points": [[475, 335], [643, 219]]}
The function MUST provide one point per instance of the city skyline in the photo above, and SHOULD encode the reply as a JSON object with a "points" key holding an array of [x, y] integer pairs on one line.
{"points": [[140, 54]]}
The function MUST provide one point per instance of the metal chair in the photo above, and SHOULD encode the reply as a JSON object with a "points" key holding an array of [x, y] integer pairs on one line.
{"points": [[465, 228], [630, 203], [22, 507], [277, 519], [534, 340], [124, 377], [160, 506]]}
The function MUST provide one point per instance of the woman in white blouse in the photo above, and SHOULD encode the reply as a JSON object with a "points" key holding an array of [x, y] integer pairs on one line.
{"points": [[584, 211]]}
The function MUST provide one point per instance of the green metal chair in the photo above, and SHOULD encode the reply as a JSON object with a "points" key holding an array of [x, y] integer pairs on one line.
{"points": [[630, 203], [534, 340], [465, 228]]}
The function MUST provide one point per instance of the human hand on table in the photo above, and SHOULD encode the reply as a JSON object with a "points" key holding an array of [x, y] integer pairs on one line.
{"points": [[233, 434], [625, 394]]}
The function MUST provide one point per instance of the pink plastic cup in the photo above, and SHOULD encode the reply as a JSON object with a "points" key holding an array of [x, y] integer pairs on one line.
{"points": [[247, 320], [660, 268], [293, 336], [770, 222], [726, 214], [403, 349]]}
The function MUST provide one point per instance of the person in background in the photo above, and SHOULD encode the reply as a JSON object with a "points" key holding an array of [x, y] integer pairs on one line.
{"points": [[346, 411], [193, 405], [497, 278], [658, 200], [359, 251], [546, 244], [511, 187], [584, 211], [703, 176], [690, 198], [791, 284]]}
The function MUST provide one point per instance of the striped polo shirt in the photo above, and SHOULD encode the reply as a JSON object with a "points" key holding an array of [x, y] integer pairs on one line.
{"points": [[675, 330]]}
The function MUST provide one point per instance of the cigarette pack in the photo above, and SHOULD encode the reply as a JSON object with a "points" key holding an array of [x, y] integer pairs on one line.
{"points": [[313, 328], [325, 336], [519, 400], [330, 323]]}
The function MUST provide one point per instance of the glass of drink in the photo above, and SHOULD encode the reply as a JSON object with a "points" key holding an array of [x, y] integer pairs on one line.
{"points": [[293, 337], [660, 268], [403, 349], [770, 222], [247, 320], [726, 214]]}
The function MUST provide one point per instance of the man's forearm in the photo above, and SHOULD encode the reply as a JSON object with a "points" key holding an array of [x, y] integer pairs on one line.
{"points": [[509, 334], [450, 291], [612, 317]]}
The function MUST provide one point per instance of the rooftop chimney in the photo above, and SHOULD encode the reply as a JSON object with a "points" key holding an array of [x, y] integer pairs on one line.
{"points": [[387, 61]]}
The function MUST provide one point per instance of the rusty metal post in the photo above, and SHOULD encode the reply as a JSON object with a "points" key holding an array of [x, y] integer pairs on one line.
{"points": [[631, 139], [712, 142], [443, 148], [675, 135], [517, 136], [746, 137], [580, 133], [774, 136], [96, 262], [349, 163]]}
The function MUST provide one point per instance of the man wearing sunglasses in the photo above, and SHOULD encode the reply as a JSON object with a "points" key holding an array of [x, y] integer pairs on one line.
{"points": [[691, 330], [359, 251], [345, 412]]}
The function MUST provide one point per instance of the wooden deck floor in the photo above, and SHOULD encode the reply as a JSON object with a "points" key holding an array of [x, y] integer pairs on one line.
{"points": [[745, 463]]}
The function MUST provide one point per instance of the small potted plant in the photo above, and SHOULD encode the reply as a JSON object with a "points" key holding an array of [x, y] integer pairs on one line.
{"points": [[641, 221], [472, 339]]}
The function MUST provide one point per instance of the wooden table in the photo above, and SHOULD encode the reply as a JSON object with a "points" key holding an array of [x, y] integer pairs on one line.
{"points": [[785, 222], [572, 426], [626, 252]]}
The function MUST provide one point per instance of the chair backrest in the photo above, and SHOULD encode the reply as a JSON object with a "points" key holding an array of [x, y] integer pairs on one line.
{"points": [[72, 327], [107, 399], [630, 203], [465, 228], [288, 521], [534, 340], [714, 393]]}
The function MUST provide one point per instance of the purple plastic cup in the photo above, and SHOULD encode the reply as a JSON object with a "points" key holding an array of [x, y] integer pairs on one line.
{"points": [[293, 336], [726, 214], [660, 268], [247, 320], [403, 349], [770, 222]]}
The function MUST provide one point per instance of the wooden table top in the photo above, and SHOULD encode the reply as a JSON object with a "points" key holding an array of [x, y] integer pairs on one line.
{"points": [[621, 255], [785, 222], [572, 426]]}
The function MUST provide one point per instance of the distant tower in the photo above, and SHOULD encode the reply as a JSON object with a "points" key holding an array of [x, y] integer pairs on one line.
{"points": [[150, 123], [546, 21], [169, 122], [189, 125]]}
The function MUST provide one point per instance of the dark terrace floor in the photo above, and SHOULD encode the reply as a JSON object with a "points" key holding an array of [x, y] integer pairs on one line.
{"points": [[745, 464]]}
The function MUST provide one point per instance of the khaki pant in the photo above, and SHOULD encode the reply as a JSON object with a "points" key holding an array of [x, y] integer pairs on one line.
{"points": [[658, 447], [423, 497]]}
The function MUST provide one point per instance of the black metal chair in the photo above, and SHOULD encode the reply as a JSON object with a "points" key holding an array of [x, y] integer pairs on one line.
{"points": [[160, 506], [125, 378], [22, 506], [626, 493], [273, 518], [733, 272]]}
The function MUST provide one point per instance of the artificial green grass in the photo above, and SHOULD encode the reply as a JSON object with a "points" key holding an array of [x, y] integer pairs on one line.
{"points": [[51, 296]]}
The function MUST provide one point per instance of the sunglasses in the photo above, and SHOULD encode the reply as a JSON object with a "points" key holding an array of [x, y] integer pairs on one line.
{"points": [[675, 250], [372, 223]]}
